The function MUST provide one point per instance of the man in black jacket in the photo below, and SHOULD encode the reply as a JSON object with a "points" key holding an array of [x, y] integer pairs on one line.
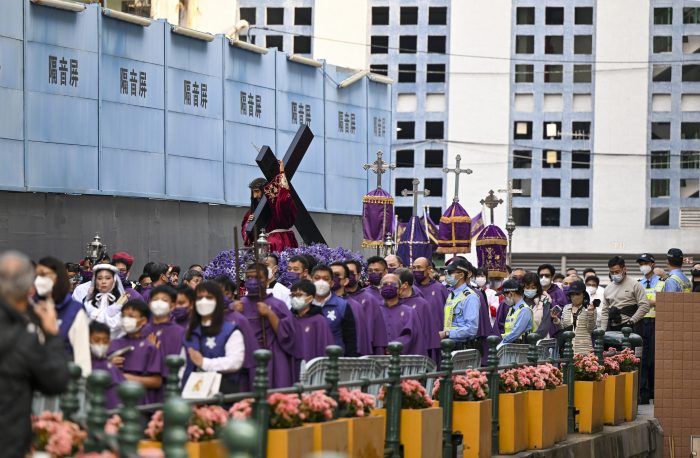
{"points": [[32, 356]]}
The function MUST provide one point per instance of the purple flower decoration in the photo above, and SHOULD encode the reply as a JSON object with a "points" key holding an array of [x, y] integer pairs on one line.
{"points": [[323, 253], [225, 264]]}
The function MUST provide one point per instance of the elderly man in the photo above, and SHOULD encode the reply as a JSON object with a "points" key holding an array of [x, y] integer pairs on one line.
{"points": [[32, 354], [434, 293]]}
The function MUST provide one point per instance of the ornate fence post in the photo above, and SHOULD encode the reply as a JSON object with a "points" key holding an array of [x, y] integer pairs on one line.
{"points": [[240, 438], [392, 399], [599, 343], [494, 382], [176, 416], [172, 383], [569, 378], [97, 383], [130, 393], [261, 409], [70, 404], [333, 373], [626, 331], [532, 354], [446, 396]]}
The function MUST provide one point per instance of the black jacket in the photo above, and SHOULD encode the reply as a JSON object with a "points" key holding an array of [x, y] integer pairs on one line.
{"points": [[26, 364]]}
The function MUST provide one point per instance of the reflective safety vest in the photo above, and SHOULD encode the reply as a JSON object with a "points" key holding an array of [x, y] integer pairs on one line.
{"points": [[450, 306], [513, 317], [686, 286], [651, 296]]}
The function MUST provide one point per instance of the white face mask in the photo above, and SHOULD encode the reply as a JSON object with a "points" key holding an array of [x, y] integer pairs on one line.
{"points": [[645, 269], [480, 281], [270, 273], [130, 324], [205, 306], [322, 288], [43, 285], [159, 308], [99, 350], [545, 281], [299, 303], [591, 290]]}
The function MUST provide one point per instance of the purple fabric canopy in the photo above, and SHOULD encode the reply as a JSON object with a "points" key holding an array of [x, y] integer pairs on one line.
{"points": [[491, 247], [455, 230], [414, 243], [377, 217]]}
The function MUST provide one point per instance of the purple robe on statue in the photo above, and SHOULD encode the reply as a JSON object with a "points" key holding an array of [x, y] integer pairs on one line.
{"points": [[313, 336], [247, 372], [375, 319], [436, 295], [117, 378], [362, 327], [425, 338], [401, 320], [144, 360], [281, 344]]}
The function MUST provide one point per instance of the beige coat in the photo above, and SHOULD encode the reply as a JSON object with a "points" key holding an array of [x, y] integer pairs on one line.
{"points": [[585, 325]]}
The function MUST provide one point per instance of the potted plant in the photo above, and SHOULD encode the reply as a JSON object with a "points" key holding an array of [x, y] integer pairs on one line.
{"points": [[471, 411], [629, 367], [54, 437], [589, 392], [365, 431], [543, 408], [512, 404], [614, 409], [316, 410]]}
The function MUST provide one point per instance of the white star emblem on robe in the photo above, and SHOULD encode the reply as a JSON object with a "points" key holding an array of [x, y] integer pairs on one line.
{"points": [[211, 342], [402, 313], [433, 293], [307, 329], [331, 315]]}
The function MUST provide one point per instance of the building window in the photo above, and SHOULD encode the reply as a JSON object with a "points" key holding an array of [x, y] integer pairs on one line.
{"points": [[380, 15], [434, 130], [663, 16], [579, 217], [402, 183], [659, 217], [409, 15], [437, 44], [584, 15], [302, 44], [525, 185], [435, 73], [434, 158], [691, 73], [551, 130], [435, 186], [522, 130], [661, 73], [550, 217], [690, 159], [660, 130], [274, 41], [405, 130], [302, 16], [379, 69], [581, 130], [522, 159], [524, 44], [663, 44], [690, 188], [690, 130], [437, 15], [403, 213], [691, 15], [407, 73], [554, 44], [580, 188], [582, 73], [405, 158], [248, 14], [551, 159], [661, 187], [551, 187], [275, 16], [554, 15], [521, 216], [583, 44], [435, 213], [379, 44], [524, 73], [553, 73], [660, 159], [525, 15], [408, 44], [580, 159]]}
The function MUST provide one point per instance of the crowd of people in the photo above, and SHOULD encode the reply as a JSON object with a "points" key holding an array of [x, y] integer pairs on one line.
{"points": [[91, 313]]}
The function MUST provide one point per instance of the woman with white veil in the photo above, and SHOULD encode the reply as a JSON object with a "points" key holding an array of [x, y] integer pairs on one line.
{"points": [[104, 301]]}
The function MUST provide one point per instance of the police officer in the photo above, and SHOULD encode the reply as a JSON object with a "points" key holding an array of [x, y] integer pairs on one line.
{"points": [[676, 282], [647, 326], [519, 321], [461, 312]]}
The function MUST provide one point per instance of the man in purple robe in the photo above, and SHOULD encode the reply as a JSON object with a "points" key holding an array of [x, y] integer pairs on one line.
{"points": [[436, 294], [371, 308], [425, 340], [247, 371], [402, 323], [376, 269], [272, 325], [99, 344], [393, 263], [341, 273], [312, 329]]}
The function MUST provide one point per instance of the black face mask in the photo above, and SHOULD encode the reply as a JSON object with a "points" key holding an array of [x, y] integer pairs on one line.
{"points": [[695, 273]]}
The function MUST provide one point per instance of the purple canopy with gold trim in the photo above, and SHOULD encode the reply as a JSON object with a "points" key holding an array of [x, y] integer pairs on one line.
{"points": [[454, 234], [377, 217], [491, 246], [414, 243]]}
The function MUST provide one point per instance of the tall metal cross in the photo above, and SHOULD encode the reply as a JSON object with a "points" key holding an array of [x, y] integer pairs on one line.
{"points": [[510, 191], [457, 171], [415, 193], [379, 167], [491, 201]]}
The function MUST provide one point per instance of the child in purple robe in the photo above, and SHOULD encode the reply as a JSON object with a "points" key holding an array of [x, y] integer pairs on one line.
{"points": [[401, 320], [371, 307], [99, 344], [142, 362], [184, 304], [213, 344], [312, 329]]}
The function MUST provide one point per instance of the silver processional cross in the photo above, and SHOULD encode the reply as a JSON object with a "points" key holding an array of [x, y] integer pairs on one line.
{"points": [[379, 167], [415, 193], [457, 171]]}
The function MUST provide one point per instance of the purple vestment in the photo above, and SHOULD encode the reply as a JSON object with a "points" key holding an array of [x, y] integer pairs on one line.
{"points": [[144, 360], [362, 327], [375, 319], [436, 295], [167, 337], [401, 321], [117, 378], [251, 344], [313, 336], [424, 337], [377, 217]]}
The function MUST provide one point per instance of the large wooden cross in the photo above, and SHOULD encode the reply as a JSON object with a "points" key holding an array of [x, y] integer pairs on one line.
{"points": [[457, 171], [379, 167], [415, 193], [269, 166]]}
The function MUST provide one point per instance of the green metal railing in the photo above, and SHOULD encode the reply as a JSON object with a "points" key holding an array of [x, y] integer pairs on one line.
{"points": [[250, 438]]}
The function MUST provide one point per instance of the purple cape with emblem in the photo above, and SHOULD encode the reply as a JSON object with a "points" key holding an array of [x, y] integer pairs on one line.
{"points": [[313, 336], [375, 320], [454, 234], [426, 339], [414, 243], [401, 326], [377, 217], [435, 294], [491, 247]]}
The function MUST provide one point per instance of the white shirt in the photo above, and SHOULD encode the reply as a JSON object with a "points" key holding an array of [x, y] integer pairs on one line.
{"points": [[81, 291], [233, 358], [79, 338], [281, 292]]}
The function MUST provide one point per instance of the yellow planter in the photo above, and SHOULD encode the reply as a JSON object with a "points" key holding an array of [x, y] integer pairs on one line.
{"points": [[365, 437], [631, 392], [206, 449], [290, 443], [562, 399], [472, 419], [542, 418], [512, 436], [589, 400], [330, 436], [421, 431], [614, 409]]}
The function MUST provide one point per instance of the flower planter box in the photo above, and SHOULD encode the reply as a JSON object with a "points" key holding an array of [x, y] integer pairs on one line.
{"points": [[206, 449], [472, 419], [421, 431], [561, 394], [631, 393], [330, 436], [365, 437], [512, 437], [290, 443], [543, 419], [589, 398], [614, 409]]}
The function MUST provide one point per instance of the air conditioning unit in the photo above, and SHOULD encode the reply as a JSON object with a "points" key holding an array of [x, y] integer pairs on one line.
{"points": [[690, 218]]}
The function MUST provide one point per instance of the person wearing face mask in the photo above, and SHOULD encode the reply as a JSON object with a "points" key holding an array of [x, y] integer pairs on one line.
{"points": [[211, 343], [393, 262], [558, 279], [376, 269], [123, 262], [371, 307], [73, 270], [363, 328], [652, 285], [596, 294], [696, 277], [462, 309], [578, 316], [434, 293], [539, 302], [191, 279], [274, 287], [312, 329], [401, 320], [491, 295], [99, 344], [104, 301], [336, 310], [626, 298], [184, 305], [427, 333], [143, 362], [158, 274], [546, 272], [676, 282], [297, 269], [519, 322], [52, 282], [231, 314]]}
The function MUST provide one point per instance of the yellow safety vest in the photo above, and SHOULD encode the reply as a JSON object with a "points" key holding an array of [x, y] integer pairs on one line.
{"points": [[651, 296], [686, 287], [450, 306], [513, 317]]}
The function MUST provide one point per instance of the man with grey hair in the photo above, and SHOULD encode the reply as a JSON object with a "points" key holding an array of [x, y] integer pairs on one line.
{"points": [[32, 356]]}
